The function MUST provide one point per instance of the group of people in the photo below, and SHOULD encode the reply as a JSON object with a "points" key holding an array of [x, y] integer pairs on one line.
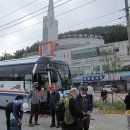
{"points": [[77, 113], [80, 106], [36, 98]]}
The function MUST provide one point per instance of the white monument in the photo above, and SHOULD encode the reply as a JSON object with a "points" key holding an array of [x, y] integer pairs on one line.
{"points": [[50, 25]]}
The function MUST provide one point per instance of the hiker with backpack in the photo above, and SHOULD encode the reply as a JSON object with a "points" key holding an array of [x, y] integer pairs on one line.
{"points": [[71, 112], [85, 105]]}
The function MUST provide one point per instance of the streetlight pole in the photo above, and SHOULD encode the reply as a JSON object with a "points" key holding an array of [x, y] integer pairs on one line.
{"points": [[128, 21]]}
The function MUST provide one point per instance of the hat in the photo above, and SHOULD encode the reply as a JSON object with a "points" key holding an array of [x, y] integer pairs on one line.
{"points": [[35, 83], [25, 107]]}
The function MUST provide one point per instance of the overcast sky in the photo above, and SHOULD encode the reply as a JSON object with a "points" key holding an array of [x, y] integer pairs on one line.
{"points": [[76, 19]]}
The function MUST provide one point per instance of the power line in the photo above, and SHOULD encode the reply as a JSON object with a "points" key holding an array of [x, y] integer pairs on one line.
{"points": [[41, 35], [77, 8], [1, 17], [20, 29], [56, 16], [93, 19], [115, 19], [65, 13], [27, 15], [33, 16], [19, 43]]}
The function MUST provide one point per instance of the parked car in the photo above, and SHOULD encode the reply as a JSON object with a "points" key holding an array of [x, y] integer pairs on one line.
{"points": [[111, 88]]}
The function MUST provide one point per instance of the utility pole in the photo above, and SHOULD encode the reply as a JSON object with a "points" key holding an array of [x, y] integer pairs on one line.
{"points": [[128, 21], [5, 55]]}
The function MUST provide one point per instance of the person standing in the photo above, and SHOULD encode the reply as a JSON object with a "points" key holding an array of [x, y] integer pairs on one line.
{"points": [[17, 108], [90, 92], [54, 99], [127, 102], [85, 106], [34, 95], [104, 94], [73, 112], [43, 102]]}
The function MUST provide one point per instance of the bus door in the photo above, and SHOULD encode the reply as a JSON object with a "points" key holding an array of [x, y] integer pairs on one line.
{"points": [[28, 83]]}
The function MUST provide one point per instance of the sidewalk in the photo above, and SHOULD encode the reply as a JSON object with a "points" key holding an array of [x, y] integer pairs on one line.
{"points": [[101, 122]]}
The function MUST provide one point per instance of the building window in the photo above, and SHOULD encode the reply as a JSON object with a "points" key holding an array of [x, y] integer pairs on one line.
{"points": [[116, 49], [85, 68], [84, 53], [76, 62]]}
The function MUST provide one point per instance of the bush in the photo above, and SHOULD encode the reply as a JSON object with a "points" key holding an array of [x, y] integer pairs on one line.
{"points": [[116, 105]]}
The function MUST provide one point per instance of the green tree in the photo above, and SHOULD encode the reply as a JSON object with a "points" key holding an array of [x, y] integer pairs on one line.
{"points": [[110, 34]]}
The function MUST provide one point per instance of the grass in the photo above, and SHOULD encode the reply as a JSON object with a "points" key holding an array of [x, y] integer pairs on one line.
{"points": [[116, 105]]}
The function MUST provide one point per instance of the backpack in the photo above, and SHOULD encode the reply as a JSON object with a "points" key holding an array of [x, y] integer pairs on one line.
{"points": [[14, 125], [63, 113]]}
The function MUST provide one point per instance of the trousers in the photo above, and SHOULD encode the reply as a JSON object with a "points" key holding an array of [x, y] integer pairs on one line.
{"points": [[34, 111]]}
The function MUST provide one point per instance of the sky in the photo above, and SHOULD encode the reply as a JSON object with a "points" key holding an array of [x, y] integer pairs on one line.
{"points": [[91, 13]]}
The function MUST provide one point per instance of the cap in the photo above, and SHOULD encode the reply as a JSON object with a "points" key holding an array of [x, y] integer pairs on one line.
{"points": [[35, 83], [25, 107]]}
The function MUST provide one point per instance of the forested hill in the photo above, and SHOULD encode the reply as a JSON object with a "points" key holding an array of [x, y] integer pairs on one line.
{"points": [[110, 34]]}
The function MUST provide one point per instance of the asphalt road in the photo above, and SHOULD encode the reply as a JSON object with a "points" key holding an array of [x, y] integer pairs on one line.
{"points": [[101, 122]]}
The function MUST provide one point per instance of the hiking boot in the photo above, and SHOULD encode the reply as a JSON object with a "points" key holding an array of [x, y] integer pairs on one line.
{"points": [[31, 124], [53, 125], [36, 123], [58, 126]]}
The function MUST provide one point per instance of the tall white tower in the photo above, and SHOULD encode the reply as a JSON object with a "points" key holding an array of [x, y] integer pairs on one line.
{"points": [[50, 24]]}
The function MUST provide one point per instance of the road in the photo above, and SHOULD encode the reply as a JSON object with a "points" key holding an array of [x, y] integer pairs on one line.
{"points": [[101, 122]]}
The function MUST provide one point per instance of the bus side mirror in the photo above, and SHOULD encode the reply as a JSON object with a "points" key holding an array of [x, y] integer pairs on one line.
{"points": [[54, 77]]}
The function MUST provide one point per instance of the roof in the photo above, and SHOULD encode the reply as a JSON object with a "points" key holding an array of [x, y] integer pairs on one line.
{"points": [[29, 60], [100, 77], [123, 74], [19, 61]]}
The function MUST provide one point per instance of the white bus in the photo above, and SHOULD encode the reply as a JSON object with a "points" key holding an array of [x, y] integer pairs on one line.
{"points": [[17, 76]]}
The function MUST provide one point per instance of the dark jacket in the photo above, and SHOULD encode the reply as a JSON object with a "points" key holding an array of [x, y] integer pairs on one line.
{"points": [[103, 93], [54, 99], [127, 101], [84, 103], [15, 108], [75, 112]]}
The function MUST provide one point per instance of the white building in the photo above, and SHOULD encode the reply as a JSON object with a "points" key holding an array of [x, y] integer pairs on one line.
{"points": [[91, 55]]}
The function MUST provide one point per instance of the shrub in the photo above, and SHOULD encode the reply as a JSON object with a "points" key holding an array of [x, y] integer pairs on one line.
{"points": [[116, 105]]}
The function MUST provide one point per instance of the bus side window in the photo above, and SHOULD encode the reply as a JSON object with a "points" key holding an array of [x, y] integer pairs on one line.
{"points": [[28, 83]]}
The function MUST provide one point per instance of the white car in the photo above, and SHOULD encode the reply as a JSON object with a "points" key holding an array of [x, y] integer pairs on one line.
{"points": [[110, 88]]}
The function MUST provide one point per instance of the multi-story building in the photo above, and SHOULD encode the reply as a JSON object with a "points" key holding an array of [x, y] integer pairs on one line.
{"points": [[91, 55]]}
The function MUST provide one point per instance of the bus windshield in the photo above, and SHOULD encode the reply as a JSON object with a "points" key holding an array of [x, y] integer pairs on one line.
{"points": [[64, 73]]}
